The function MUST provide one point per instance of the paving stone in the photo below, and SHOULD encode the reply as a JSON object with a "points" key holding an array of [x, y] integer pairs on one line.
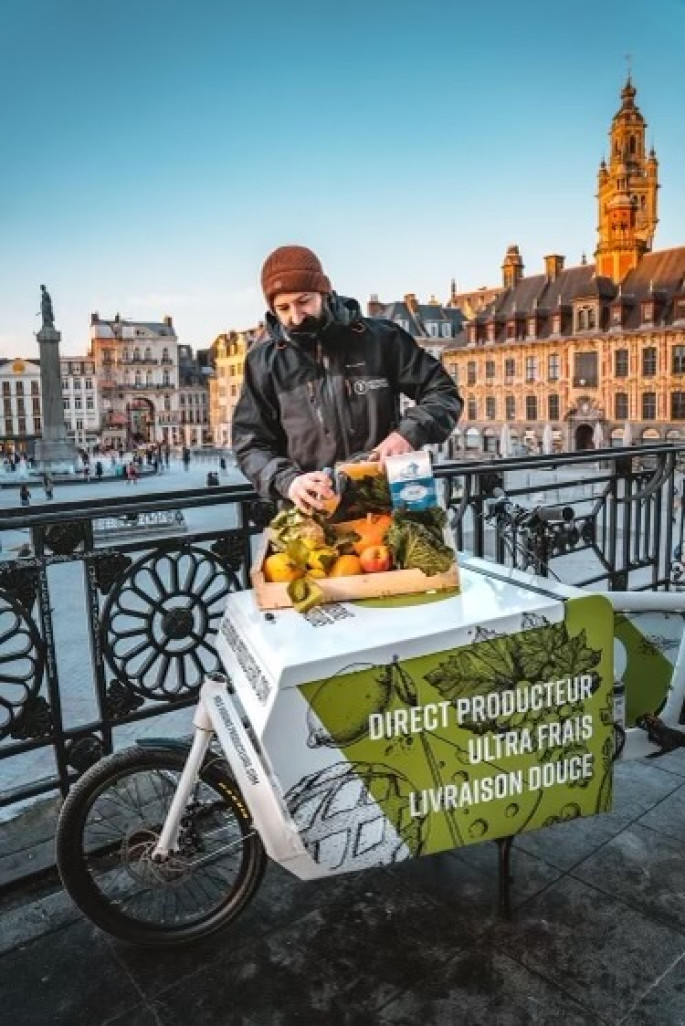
{"points": [[668, 817], [664, 1003], [483, 985], [643, 868], [65, 979], [638, 785], [589, 945]]}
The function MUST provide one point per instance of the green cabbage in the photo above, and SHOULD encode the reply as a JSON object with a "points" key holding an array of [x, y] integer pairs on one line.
{"points": [[416, 541]]}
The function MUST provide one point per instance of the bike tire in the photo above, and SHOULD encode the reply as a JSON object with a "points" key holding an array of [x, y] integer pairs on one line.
{"points": [[107, 829]]}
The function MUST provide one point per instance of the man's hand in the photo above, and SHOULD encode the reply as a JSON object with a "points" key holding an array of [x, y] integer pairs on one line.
{"points": [[309, 491], [394, 445]]}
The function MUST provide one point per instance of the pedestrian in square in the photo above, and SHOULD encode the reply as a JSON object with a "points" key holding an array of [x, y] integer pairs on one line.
{"points": [[25, 495]]}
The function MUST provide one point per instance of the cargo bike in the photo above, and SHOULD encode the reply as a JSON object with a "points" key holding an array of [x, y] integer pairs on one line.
{"points": [[369, 732]]}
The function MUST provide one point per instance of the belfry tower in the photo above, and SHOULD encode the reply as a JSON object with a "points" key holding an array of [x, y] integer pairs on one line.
{"points": [[627, 193]]}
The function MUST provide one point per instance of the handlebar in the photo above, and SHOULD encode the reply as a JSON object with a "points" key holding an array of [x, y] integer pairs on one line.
{"points": [[500, 505]]}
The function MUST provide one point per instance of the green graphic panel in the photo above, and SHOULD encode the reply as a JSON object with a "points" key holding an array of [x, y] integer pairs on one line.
{"points": [[648, 672], [509, 733]]}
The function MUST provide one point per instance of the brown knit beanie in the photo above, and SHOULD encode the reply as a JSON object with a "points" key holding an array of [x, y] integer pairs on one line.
{"points": [[292, 269]]}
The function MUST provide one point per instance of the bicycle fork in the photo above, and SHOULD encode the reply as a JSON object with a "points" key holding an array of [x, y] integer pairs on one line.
{"points": [[168, 838]]}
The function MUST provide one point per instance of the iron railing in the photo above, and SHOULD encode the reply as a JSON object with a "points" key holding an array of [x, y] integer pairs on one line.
{"points": [[109, 608]]}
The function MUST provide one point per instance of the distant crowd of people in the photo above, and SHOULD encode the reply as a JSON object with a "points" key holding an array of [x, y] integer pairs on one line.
{"points": [[118, 463]]}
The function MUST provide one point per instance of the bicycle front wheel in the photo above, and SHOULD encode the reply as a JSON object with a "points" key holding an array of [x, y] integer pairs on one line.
{"points": [[109, 826]]}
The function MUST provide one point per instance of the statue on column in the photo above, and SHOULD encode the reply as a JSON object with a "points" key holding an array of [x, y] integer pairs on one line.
{"points": [[46, 308]]}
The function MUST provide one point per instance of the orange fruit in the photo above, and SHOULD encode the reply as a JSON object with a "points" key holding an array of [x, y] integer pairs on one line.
{"points": [[279, 567], [346, 566]]}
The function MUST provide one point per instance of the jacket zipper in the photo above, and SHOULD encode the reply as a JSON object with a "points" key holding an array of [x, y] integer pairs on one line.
{"points": [[333, 398]]}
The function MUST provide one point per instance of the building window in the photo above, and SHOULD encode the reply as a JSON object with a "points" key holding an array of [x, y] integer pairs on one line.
{"points": [[509, 368], [649, 405], [531, 407], [166, 379], [6, 388], [677, 405], [471, 372], [9, 426], [647, 312], [621, 363], [20, 407], [447, 330], [553, 367], [453, 372], [22, 426], [36, 408], [20, 388], [167, 402], [490, 407], [472, 409], [679, 359], [621, 406], [65, 404], [89, 384], [585, 370], [648, 362], [510, 407], [90, 405], [531, 327], [489, 368], [78, 403], [36, 424], [511, 329], [553, 407], [8, 407], [586, 318], [531, 368]]}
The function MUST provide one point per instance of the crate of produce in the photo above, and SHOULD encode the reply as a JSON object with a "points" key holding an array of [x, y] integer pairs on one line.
{"points": [[351, 560]]}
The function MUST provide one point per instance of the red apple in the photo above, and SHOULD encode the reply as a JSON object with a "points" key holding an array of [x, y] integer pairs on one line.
{"points": [[375, 558]]}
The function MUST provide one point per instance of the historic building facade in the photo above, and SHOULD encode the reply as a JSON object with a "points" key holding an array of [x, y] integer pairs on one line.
{"points": [[136, 363], [228, 361], [596, 351], [22, 417]]}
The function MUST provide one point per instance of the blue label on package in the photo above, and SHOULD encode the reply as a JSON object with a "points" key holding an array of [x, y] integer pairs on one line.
{"points": [[419, 494]]}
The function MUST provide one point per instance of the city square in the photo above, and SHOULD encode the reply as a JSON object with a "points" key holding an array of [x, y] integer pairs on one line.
{"points": [[251, 253]]}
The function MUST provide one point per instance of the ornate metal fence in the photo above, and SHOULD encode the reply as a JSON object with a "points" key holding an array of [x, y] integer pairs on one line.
{"points": [[108, 609]]}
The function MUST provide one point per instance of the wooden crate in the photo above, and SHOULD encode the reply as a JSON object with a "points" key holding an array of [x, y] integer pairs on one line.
{"points": [[270, 595]]}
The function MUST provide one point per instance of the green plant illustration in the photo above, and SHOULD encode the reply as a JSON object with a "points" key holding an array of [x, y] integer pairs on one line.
{"points": [[464, 779]]}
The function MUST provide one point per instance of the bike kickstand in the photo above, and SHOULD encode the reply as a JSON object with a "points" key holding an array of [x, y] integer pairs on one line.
{"points": [[504, 846]]}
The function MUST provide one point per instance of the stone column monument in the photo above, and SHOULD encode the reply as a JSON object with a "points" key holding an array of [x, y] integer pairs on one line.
{"points": [[53, 451]]}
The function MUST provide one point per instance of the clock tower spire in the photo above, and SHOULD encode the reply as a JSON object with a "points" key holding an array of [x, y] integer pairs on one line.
{"points": [[627, 193]]}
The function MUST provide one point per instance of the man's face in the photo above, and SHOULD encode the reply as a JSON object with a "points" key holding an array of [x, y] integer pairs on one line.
{"points": [[294, 308]]}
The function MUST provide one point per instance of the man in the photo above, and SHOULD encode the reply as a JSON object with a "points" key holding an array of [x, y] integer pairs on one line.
{"points": [[326, 385]]}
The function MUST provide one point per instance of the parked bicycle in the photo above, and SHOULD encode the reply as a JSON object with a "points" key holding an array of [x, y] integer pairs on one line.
{"points": [[167, 842]]}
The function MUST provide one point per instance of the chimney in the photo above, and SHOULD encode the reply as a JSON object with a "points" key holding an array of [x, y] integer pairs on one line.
{"points": [[374, 307], [168, 321], [411, 303], [512, 268], [95, 318], [554, 265]]}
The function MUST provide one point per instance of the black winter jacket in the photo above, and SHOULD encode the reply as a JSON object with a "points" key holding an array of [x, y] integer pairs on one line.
{"points": [[304, 407]]}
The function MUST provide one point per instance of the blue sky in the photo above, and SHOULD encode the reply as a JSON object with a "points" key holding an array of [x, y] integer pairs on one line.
{"points": [[155, 152]]}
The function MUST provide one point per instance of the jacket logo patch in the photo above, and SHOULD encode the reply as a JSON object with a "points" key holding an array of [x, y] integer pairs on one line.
{"points": [[363, 385]]}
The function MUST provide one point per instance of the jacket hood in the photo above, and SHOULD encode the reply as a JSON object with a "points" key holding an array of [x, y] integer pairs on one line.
{"points": [[343, 312]]}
